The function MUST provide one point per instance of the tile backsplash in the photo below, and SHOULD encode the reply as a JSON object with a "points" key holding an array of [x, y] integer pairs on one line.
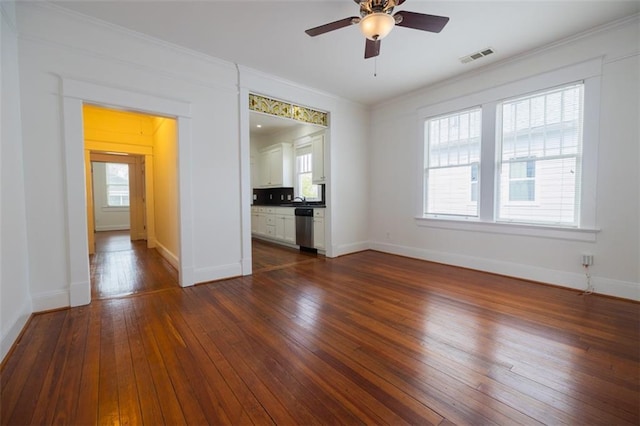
{"points": [[268, 196]]}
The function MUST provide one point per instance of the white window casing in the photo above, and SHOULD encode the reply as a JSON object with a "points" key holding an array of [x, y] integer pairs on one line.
{"points": [[583, 227]]}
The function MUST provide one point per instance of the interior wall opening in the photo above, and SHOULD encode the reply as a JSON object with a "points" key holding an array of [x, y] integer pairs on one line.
{"points": [[132, 201]]}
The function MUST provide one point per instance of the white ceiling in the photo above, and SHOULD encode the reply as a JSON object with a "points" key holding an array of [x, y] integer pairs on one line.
{"points": [[269, 36]]}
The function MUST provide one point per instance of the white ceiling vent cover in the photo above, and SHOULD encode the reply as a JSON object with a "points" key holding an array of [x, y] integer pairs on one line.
{"points": [[477, 55]]}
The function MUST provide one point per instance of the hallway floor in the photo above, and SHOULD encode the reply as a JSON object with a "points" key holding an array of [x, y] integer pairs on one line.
{"points": [[121, 267]]}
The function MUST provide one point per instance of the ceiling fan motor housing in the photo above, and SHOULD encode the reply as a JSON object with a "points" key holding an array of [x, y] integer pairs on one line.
{"points": [[367, 7]]}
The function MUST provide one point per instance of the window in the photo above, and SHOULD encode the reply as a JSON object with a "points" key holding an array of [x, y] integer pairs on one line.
{"points": [[452, 158], [518, 160], [474, 182], [117, 176], [304, 178], [541, 144], [522, 180]]}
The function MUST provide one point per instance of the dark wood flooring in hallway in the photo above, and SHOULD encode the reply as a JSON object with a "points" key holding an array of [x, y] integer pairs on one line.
{"points": [[121, 267]]}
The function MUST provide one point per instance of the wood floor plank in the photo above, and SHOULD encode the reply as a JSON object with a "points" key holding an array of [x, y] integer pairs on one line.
{"points": [[366, 338], [13, 376], [29, 391], [86, 408], [170, 405], [70, 378]]}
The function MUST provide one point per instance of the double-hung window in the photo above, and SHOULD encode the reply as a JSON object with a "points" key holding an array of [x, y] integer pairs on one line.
{"points": [[117, 178], [540, 153], [517, 160], [452, 157], [304, 176]]}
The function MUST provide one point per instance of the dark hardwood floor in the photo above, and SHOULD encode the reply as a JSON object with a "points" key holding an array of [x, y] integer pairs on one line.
{"points": [[365, 338], [121, 267], [268, 256]]}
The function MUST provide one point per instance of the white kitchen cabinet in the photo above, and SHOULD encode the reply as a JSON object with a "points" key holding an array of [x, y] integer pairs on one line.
{"points": [[258, 220], [285, 225], [318, 229], [274, 223], [276, 166], [317, 155]]}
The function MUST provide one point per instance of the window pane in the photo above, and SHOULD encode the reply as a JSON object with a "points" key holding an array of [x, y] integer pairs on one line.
{"points": [[451, 171], [304, 181], [117, 176], [539, 178]]}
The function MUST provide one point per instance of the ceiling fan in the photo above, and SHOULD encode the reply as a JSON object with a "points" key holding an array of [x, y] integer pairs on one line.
{"points": [[376, 22]]}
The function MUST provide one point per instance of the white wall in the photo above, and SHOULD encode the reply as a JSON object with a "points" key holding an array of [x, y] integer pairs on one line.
{"points": [[106, 218], [396, 175], [55, 44], [15, 301], [346, 146]]}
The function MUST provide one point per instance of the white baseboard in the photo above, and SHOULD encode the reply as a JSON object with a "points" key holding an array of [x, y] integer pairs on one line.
{"points": [[203, 275], [343, 249], [610, 287], [12, 332], [50, 300], [167, 255], [80, 293], [112, 228]]}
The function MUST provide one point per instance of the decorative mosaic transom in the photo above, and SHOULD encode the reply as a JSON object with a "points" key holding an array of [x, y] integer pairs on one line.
{"points": [[287, 110]]}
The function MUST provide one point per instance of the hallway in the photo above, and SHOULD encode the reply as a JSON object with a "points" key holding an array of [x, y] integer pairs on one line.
{"points": [[121, 267]]}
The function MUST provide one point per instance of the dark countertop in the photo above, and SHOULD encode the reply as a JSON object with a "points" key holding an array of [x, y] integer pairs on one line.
{"points": [[310, 204]]}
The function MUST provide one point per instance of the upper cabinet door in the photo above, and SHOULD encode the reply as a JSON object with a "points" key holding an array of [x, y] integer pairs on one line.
{"points": [[317, 155], [275, 166]]}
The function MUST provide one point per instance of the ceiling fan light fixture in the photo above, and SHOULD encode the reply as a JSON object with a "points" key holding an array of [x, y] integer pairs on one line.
{"points": [[377, 25]]}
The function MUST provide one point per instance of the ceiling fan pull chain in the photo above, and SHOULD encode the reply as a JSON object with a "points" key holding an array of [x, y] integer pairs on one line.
{"points": [[375, 66]]}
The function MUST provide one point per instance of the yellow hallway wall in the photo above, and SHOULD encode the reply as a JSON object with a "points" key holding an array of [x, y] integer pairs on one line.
{"points": [[165, 180]]}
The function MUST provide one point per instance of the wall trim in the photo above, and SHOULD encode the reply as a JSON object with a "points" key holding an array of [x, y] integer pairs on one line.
{"points": [[573, 280], [100, 228], [205, 275], [156, 42], [50, 300], [385, 105], [168, 255], [344, 249], [12, 333]]}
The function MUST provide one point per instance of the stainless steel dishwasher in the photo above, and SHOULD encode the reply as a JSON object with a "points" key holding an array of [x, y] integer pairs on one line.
{"points": [[304, 227]]}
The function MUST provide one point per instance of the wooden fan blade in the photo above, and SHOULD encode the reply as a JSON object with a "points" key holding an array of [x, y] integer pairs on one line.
{"points": [[332, 26], [421, 21], [399, 2], [371, 49]]}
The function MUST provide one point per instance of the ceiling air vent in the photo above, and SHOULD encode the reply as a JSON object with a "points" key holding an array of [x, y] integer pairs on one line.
{"points": [[476, 55]]}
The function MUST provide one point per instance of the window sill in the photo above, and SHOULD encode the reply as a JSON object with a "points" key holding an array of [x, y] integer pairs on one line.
{"points": [[572, 234], [115, 208]]}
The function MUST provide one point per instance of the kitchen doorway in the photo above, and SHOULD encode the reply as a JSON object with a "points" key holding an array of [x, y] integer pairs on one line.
{"points": [[283, 144]]}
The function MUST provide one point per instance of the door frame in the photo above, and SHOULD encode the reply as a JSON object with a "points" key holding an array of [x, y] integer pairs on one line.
{"points": [[137, 210], [75, 93]]}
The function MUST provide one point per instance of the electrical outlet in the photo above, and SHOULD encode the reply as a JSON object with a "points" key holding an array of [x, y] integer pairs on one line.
{"points": [[587, 259]]}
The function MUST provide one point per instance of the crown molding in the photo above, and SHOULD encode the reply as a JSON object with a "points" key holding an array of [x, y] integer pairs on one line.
{"points": [[79, 17], [628, 20]]}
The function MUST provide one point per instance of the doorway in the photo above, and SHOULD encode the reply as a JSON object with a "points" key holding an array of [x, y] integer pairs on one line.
{"points": [[131, 194], [286, 144], [75, 95]]}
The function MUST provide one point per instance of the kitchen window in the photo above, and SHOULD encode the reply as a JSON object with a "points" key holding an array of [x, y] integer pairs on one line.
{"points": [[536, 169], [304, 186]]}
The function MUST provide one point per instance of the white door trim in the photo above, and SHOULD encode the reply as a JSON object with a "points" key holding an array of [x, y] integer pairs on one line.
{"points": [[75, 93]]}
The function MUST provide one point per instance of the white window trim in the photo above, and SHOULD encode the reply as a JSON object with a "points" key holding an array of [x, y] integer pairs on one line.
{"points": [[589, 72]]}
